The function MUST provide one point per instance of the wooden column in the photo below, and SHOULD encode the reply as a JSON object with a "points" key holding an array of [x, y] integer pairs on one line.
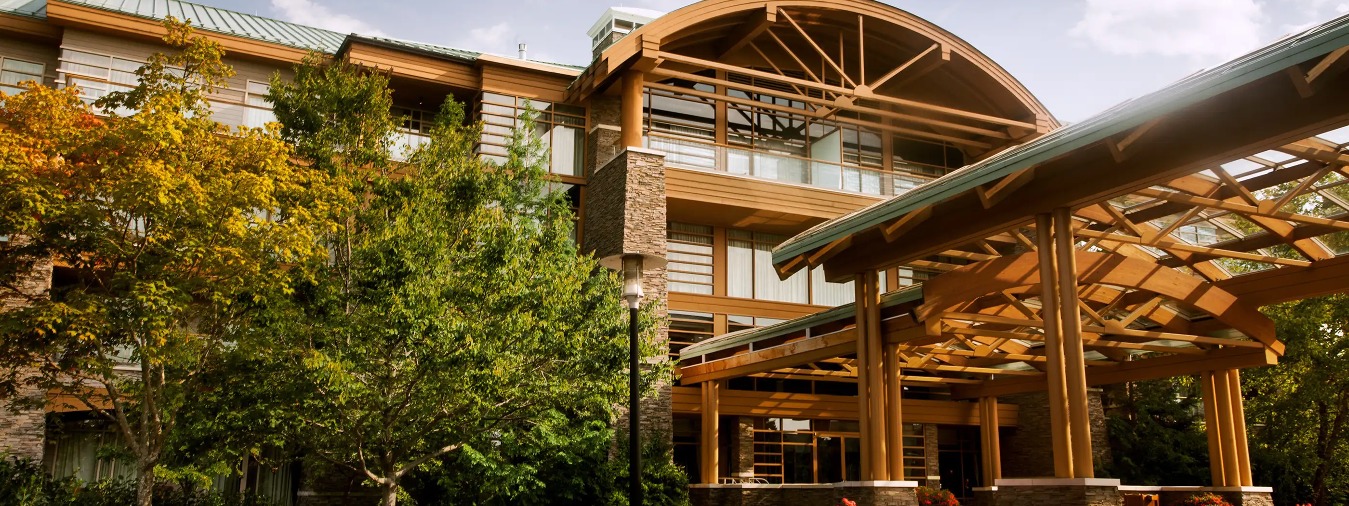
{"points": [[990, 442], [631, 120], [1057, 382], [711, 431], [894, 416], [865, 439], [876, 380], [1215, 448], [1242, 446], [1226, 436], [1070, 329]]}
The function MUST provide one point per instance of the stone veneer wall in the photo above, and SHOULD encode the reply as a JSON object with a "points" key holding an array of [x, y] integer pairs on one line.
{"points": [[1028, 450], [744, 450], [23, 431], [931, 457], [1043, 495], [625, 213], [803, 495]]}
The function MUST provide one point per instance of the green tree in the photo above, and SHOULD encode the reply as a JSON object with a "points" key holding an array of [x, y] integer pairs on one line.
{"points": [[1156, 433], [455, 311], [1299, 409], [168, 228]]}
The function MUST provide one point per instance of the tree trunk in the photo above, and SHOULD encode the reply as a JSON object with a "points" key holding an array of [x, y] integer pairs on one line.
{"points": [[145, 486], [390, 493]]}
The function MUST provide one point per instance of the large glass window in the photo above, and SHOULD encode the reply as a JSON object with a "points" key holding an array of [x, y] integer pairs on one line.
{"points": [[690, 258], [14, 71], [96, 74], [750, 273], [686, 328], [560, 127]]}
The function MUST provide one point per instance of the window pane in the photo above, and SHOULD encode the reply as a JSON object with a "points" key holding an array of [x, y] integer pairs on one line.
{"points": [[23, 66]]}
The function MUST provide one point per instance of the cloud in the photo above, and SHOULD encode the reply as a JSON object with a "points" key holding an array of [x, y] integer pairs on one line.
{"points": [[496, 39], [1200, 29], [309, 12]]}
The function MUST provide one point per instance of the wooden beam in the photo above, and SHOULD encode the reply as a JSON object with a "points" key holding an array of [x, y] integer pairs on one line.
{"points": [[1135, 370], [791, 354], [1003, 187], [1262, 210], [905, 223], [710, 433], [1204, 250], [824, 56], [873, 85], [674, 57], [753, 26]]}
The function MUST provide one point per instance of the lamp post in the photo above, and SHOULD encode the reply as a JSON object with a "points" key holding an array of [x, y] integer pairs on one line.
{"points": [[632, 266]]}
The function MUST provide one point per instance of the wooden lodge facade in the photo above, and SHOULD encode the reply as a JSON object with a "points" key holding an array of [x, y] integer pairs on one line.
{"points": [[856, 207]]}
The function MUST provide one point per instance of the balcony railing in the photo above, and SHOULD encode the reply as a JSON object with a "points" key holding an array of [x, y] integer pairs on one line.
{"points": [[699, 155]]}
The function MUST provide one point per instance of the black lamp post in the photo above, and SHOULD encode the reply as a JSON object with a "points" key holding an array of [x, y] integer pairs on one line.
{"points": [[632, 265]]}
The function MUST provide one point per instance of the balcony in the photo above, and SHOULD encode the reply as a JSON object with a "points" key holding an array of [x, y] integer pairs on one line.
{"points": [[691, 154]]}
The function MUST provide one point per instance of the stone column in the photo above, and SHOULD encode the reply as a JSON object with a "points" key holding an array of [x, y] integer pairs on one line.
{"points": [[743, 466], [23, 429], [625, 213]]}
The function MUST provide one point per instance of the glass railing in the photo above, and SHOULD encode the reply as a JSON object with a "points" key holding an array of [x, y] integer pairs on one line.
{"points": [[404, 143], [700, 155]]}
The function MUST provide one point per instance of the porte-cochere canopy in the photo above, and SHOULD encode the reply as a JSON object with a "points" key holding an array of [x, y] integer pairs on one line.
{"points": [[1145, 238]]}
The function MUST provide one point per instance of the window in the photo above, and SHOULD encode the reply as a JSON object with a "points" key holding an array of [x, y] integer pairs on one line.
{"points": [[737, 322], [411, 133], [259, 112], [13, 72], [750, 273], [686, 328], [97, 75], [690, 258], [909, 276], [559, 127]]}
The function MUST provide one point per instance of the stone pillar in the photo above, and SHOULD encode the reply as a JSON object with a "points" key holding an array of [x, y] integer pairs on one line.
{"points": [[743, 464], [602, 139], [625, 213], [23, 427], [1028, 450], [931, 457]]}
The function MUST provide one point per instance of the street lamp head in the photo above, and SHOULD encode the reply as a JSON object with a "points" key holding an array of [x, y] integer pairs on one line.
{"points": [[632, 265], [632, 280]]}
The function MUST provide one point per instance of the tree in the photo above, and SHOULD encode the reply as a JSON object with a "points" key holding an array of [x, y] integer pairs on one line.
{"points": [[1156, 433], [455, 311], [1299, 409], [170, 231]]}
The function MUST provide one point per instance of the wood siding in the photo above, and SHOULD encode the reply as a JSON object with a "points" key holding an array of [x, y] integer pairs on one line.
{"points": [[524, 83], [805, 203], [415, 66]]}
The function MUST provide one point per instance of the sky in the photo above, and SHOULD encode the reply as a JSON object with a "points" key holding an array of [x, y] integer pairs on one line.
{"points": [[1079, 57]]}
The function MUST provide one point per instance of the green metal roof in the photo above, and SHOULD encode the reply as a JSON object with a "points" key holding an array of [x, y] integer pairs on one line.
{"points": [[30, 8], [747, 336], [250, 26], [1286, 52], [421, 47], [227, 22]]}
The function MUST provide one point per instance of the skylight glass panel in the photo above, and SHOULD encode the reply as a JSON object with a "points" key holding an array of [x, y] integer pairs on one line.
{"points": [[1275, 156], [1338, 136]]}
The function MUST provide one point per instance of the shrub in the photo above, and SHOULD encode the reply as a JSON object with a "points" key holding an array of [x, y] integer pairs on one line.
{"points": [[929, 496], [23, 482], [1205, 499]]}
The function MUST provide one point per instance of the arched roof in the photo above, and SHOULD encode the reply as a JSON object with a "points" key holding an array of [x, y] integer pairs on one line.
{"points": [[934, 66]]}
